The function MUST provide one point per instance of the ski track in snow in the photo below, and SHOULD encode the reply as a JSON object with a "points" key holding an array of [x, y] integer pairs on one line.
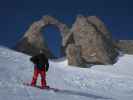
{"points": [[100, 82]]}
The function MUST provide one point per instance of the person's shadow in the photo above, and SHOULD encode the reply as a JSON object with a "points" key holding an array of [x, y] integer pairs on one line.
{"points": [[71, 92]]}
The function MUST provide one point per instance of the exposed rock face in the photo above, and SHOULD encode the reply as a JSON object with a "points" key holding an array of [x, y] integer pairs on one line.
{"points": [[126, 46], [33, 41], [73, 55], [94, 42], [100, 26], [87, 42]]}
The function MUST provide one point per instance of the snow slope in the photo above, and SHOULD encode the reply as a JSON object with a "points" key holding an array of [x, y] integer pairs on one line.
{"points": [[100, 82]]}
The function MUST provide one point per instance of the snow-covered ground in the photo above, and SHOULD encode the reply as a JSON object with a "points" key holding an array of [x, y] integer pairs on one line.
{"points": [[100, 82]]}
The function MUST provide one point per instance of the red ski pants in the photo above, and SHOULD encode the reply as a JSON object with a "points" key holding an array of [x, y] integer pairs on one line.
{"points": [[42, 72]]}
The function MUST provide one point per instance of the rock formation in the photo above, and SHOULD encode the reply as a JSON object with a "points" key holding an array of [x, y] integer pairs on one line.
{"points": [[87, 42], [91, 43], [33, 41], [126, 46]]}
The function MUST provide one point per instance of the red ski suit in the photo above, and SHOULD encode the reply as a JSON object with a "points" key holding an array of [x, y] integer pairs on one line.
{"points": [[42, 73]]}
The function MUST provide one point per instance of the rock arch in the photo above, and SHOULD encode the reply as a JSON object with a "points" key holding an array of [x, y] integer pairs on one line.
{"points": [[33, 40], [87, 42]]}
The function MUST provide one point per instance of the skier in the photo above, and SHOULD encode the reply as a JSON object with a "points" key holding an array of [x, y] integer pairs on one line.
{"points": [[41, 66]]}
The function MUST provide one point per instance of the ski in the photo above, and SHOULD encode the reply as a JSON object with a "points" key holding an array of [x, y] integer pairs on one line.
{"points": [[39, 87]]}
